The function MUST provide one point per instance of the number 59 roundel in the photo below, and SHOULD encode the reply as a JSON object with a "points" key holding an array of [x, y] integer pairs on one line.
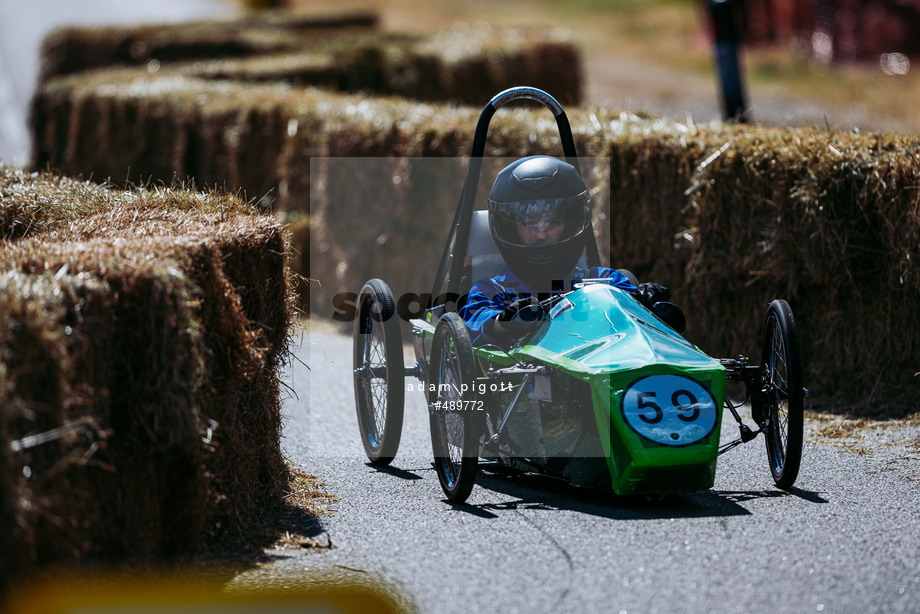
{"points": [[669, 409]]}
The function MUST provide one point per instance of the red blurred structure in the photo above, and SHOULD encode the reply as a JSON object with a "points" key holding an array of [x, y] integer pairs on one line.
{"points": [[836, 30]]}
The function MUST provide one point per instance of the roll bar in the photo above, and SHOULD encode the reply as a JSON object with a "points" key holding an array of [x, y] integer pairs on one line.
{"points": [[451, 264]]}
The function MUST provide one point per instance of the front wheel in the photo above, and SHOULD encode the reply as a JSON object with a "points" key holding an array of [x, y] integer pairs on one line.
{"points": [[379, 372], [783, 410], [453, 408]]}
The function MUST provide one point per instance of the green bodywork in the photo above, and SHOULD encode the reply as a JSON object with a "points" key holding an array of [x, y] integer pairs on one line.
{"points": [[602, 336]]}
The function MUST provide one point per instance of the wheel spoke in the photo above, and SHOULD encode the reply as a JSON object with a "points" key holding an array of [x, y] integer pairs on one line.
{"points": [[775, 387], [452, 367], [777, 378], [450, 425], [781, 377], [378, 365], [373, 378], [378, 373]]}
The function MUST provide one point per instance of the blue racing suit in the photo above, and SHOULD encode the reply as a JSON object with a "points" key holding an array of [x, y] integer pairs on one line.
{"points": [[490, 295]]}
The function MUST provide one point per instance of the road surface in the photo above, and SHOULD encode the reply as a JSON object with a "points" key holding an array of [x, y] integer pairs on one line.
{"points": [[845, 539]]}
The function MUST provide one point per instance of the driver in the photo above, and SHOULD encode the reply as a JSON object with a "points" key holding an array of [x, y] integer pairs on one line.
{"points": [[539, 217]]}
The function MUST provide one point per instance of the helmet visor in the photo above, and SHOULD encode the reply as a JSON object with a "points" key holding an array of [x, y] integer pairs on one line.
{"points": [[545, 221]]}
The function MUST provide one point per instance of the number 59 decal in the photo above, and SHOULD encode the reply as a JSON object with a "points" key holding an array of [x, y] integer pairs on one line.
{"points": [[669, 409]]}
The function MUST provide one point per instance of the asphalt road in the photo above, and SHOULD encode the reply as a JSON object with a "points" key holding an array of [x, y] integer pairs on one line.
{"points": [[845, 539], [23, 26]]}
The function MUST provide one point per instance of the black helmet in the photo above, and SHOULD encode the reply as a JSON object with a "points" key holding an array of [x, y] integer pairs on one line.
{"points": [[538, 215]]}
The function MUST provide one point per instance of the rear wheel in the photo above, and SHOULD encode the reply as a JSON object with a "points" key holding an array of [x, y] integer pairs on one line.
{"points": [[453, 409], [781, 375], [379, 372]]}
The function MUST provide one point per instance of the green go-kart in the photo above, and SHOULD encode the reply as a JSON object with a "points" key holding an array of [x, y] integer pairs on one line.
{"points": [[604, 392]]}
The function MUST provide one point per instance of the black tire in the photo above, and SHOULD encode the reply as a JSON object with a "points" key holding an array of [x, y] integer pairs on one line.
{"points": [[781, 375], [454, 430], [379, 372]]}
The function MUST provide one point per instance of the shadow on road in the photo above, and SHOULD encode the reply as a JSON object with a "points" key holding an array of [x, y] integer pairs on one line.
{"points": [[395, 471], [748, 495], [528, 491], [534, 492]]}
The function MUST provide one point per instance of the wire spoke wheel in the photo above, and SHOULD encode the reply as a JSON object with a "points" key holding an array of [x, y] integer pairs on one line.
{"points": [[453, 410], [781, 375], [379, 372]]}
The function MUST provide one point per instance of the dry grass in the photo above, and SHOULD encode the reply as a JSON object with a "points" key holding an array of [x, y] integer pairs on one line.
{"points": [[835, 427], [889, 445], [307, 499], [308, 493]]}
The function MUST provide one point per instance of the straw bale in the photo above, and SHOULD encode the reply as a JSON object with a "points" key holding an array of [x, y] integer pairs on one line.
{"points": [[140, 339], [467, 66], [299, 227], [730, 218], [49, 440], [342, 52], [828, 220], [241, 260], [124, 125], [75, 49]]}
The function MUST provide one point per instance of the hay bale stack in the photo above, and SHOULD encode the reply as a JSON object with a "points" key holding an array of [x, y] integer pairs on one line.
{"points": [[141, 338], [126, 125], [133, 124], [104, 490], [828, 220], [261, 138], [238, 263], [175, 119], [729, 217], [344, 53], [465, 65], [76, 49]]}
